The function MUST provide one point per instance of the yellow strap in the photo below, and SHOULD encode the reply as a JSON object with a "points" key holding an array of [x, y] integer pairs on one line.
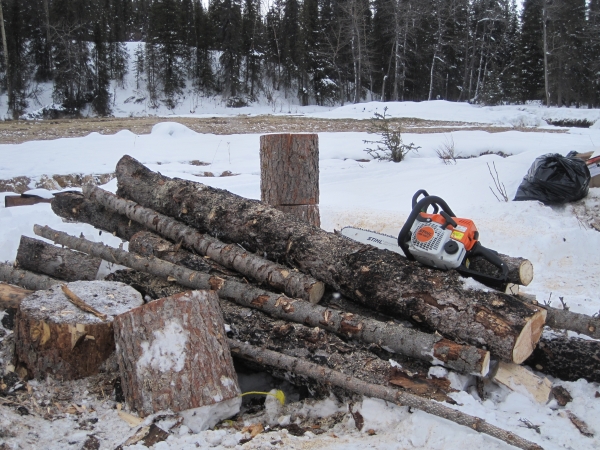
{"points": [[279, 395]]}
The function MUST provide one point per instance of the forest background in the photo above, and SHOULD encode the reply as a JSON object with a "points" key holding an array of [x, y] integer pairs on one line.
{"points": [[323, 52]]}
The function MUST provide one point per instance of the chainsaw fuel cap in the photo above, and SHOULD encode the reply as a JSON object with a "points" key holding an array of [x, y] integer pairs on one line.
{"points": [[451, 247]]}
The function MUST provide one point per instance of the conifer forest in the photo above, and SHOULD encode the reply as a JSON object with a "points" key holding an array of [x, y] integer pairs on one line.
{"points": [[323, 52]]}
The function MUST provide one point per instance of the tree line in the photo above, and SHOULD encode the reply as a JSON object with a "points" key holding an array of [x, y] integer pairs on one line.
{"points": [[322, 52]]}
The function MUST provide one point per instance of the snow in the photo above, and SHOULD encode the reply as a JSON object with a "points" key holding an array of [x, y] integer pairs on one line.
{"points": [[167, 350], [375, 195]]}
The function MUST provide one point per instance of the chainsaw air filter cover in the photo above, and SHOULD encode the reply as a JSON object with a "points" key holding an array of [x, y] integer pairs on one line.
{"points": [[435, 243]]}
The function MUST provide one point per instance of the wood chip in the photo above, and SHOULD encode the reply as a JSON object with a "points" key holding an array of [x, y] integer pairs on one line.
{"points": [[73, 298], [132, 420], [580, 425], [254, 429]]}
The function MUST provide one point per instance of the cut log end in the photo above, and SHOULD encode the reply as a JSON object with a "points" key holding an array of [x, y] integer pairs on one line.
{"points": [[529, 337], [526, 272], [316, 292], [53, 336]]}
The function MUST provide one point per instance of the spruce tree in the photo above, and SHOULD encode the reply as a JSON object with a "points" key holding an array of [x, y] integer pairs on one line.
{"points": [[531, 59], [202, 70], [101, 95]]}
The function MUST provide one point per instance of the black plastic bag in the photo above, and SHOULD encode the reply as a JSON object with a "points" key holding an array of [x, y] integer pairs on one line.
{"points": [[554, 178]]}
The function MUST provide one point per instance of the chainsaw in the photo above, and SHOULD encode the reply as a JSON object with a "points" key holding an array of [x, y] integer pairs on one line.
{"points": [[439, 240]]}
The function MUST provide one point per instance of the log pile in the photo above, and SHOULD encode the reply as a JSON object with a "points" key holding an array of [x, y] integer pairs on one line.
{"points": [[299, 302]]}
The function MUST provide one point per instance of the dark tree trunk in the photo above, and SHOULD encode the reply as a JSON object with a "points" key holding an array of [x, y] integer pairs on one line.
{"points": [[384, 281], [392, 336], [275, 276], [62, 263], [74, 206], [567, 358]]}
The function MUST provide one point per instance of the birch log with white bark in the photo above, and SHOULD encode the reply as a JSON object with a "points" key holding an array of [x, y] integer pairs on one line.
{"points": [[380, 280]]}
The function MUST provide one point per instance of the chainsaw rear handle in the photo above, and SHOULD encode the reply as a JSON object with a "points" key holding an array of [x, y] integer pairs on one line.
{"points": [[418, 207], [488, 255]]}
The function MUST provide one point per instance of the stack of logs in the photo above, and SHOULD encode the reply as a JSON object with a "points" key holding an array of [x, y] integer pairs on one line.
{"points": [[325, 312]]}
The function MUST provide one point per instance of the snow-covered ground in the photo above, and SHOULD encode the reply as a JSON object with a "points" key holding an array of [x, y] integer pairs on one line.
{"points": [[558, 240]]}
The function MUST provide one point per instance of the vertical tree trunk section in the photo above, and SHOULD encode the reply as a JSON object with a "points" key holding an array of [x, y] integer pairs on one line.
{"points": [[68, 265], [55, 337], [380, 280], [173, 354], [289, 174]]}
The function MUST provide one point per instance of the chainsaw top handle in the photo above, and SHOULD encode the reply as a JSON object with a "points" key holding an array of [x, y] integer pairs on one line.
{"points": [[418, 207]]}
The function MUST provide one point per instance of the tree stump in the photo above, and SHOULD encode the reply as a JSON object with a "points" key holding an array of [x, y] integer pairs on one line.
{"points": [[53, 336], [173, 354], [289, 174], [63, 263]]}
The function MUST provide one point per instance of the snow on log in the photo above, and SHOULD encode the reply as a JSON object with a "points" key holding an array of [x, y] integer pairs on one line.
{"points": [[394, 337], [11, 296], [380, 280], [53, 336], [306, 368], [25, 278], [400, 339], [39, 256], [293, 283], [173, 355], [74, 207], [289, 174]]}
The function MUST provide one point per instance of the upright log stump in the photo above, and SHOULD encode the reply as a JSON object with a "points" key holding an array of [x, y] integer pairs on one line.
{"points": [[289, 174], [53, 336], [173, 354]]}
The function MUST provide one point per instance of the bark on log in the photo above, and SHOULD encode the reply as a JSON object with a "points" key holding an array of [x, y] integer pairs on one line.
{"points": [[289, 174], [380, 280], [399, 339], [520, 270], [55, 337], [276, 276], [392, 336], [563, 319], [367, 362], [39, 256], [25, 278], [11, 296], [146, 243], [173, 354], [336, 378], [567, 358], [75, 207]]}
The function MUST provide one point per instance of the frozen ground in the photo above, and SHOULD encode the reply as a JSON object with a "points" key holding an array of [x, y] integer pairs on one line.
{"points": [[372, 194]]}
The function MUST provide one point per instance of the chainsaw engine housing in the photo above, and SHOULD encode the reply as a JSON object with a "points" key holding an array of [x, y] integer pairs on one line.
{"points": [[436, 243]]}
